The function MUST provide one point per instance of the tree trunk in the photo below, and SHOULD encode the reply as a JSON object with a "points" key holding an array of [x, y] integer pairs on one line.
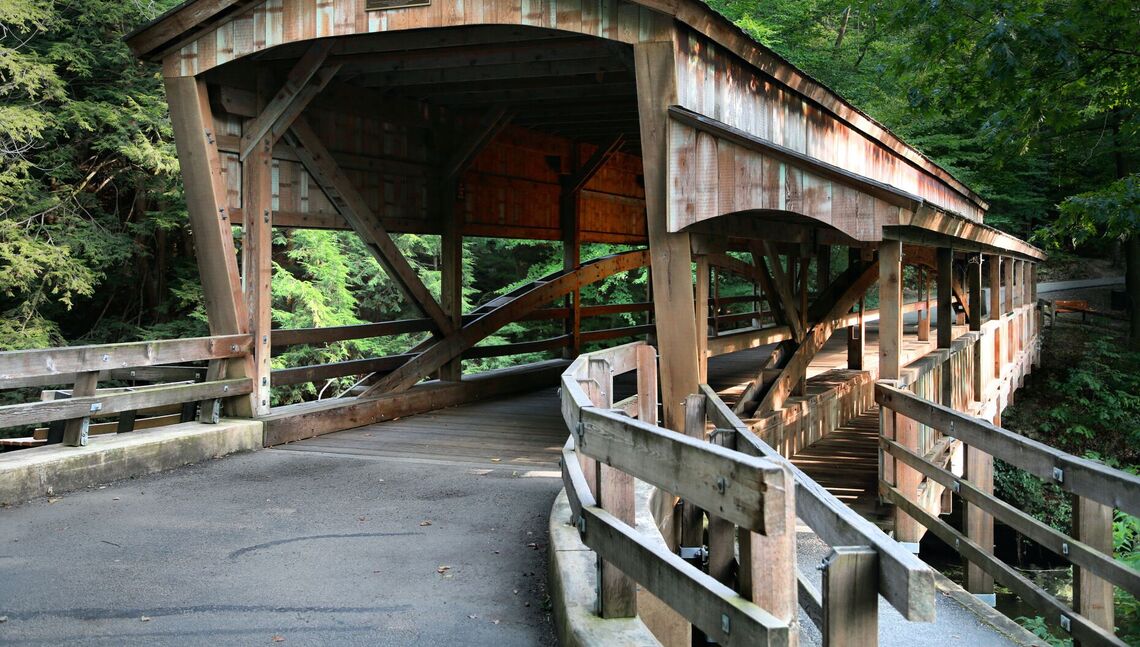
{"points": [[1132, 287]]}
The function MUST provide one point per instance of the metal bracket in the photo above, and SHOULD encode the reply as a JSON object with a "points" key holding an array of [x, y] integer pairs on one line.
{"points": [[693, 552], [1058, 475], [1066, 623]]}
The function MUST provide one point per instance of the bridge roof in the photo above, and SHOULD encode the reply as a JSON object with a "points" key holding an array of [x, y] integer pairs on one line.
{"points": [[185, 39]]}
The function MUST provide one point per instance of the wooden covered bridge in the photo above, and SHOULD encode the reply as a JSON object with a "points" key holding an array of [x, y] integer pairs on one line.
{"points": [[658, 125]]}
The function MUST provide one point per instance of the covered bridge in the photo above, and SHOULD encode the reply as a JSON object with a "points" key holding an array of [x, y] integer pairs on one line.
{"points": [[659, 125]]}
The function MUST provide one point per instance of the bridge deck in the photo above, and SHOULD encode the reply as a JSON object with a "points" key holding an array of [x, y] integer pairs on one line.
{"points": [[326, 541]]}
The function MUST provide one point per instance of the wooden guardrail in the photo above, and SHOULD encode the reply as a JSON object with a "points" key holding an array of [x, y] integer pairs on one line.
{"points": [[1098, 489], [86, 366], [736, 578]]}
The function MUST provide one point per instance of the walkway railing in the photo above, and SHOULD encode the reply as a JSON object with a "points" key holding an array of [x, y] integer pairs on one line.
{"points": [[1098, 490], [736, 578], [86, 366]]}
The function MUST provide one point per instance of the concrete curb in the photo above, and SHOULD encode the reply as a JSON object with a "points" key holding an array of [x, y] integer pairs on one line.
{"points": [[572, 596], [31, 473]]}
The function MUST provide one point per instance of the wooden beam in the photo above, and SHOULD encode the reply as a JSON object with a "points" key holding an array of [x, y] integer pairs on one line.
{"points": [[796, 367], [671, 262], [205, 190], [851, 597], [890, 309], [324, 170], [945, 297], [701, 309], [290, 100], [974, 279], [602, 154], [493, 122], [782, 285]]}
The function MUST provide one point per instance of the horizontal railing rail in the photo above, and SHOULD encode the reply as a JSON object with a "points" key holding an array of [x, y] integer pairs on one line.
{"points": [[905, 581], [1099, 489], [607, 449], [149, 361]]}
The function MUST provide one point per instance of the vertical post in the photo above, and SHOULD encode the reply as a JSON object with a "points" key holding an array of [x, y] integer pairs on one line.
{"points": [[768, 566], [823, 268], [572, 256], [924, 309], [890, 309], [715, 284], [974, 285], [995, 286], [692, 517], [856, 339], [196, 144], [669, 252], [945, 296], [1007, 271], [257, 255], [647, 384], [451, 278], [851, 597], [701, 309], [979, 524], [904, 431], [617, 593], [1092, 596], [75, 430]]}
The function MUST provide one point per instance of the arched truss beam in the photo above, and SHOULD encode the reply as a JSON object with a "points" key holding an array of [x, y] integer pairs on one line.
{"points": [[511, 308]]}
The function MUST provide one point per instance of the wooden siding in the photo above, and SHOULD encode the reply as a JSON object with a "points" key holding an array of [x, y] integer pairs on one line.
{"points": [[713, 81], [509, 191], [710, 176], [276, 22]]}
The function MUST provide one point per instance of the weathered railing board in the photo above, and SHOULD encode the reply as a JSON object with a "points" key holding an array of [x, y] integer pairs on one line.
{"points": [[1078, 475], [1059, 543], [35, 412], [745, 490], [19, 364], [904, 580], [1052, 608]]}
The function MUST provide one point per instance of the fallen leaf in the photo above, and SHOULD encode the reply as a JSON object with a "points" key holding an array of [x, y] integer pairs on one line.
{"points": [[3, 619], [442, 569], [115, 498], [53, 499], [279, 639], [496, 460], [473, 616], [425, 523], [362, 518], [494, 622], [145, 619]]}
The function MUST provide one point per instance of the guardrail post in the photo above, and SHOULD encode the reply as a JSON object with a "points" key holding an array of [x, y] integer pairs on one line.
{"points": [[75, 430], [905, 432], [851, 597], [768, 566], [979, 524], [210, 411], [1092, 596], [647, 384], [613, 489]]}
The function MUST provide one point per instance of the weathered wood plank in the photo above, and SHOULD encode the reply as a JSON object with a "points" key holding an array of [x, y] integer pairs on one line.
{"points": [[19, 364], [1080, 476]]}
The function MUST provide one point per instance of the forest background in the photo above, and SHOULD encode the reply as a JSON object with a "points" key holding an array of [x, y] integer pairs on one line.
{"points": [[1032, 103]]}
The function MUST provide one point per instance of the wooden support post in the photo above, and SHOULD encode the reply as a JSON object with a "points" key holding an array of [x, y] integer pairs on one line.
{"points": [[1092, 596], [782, 283], [570, 215], [75, 430], [714, 281], [994, 263], [924, 311], [693, 517], [945, 296], [451, 280], [890, 309], [205, 191], [894, 426], [974, 281], [647, 384], [856, 339], [210, 411], [768, 567], [617, 593], [257, 261], [979, 524], [701, 308], [1007, 271], [851, 597], [670, 252]]}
